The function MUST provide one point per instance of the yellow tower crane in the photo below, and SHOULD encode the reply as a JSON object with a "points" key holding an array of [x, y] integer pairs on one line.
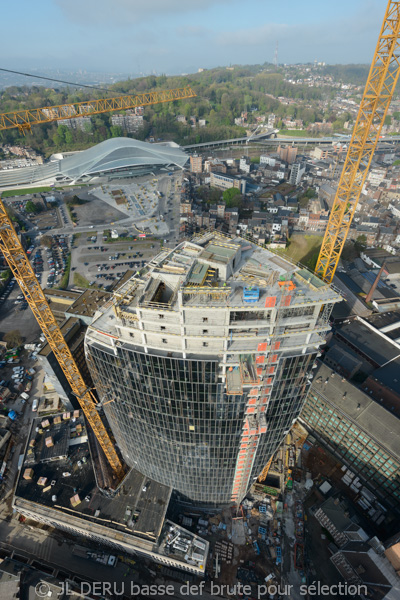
{"points": [[375, 102], [265, 470], [22, 270], [19, 264], [24, 119]]}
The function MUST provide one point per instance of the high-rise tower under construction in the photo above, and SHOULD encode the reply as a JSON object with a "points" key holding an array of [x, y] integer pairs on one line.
{"points": [[203, 362]]}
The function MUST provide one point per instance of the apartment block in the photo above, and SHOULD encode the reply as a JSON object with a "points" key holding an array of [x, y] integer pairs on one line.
{"points": [[358, 431]]}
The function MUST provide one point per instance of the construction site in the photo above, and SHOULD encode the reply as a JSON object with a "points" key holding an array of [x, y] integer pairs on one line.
{"points": [[201, 363]]}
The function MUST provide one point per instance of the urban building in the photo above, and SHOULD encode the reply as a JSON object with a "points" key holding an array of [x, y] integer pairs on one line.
{"points": [[225, 182], [288, 153], [82, 123], [204, 362], [296, 173], [245, 165], [267, 160], [364, 565], [196, 163], [359, 432], [60, 301], [319, 153], [334, 515], [62, 472], [85, 306], [74, 332], [129, 122], [112, 158]]}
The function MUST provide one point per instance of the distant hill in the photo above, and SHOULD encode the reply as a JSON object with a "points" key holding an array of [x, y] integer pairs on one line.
{"points": [[223, 94]]}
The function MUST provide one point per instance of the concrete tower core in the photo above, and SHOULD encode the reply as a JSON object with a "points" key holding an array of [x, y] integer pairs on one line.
{"points": [[203, 361]]}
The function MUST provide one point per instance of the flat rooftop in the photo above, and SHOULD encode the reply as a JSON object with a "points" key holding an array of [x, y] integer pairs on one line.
{"points": [[69, 328], [60, 301], [216, 270], [388, 323], [349, 400], [366, 340], [62, 477], [64, 294], [389, 375], [88, 302]]}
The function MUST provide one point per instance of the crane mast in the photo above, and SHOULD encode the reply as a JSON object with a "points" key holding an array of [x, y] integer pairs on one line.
{"points": [[378, 93], [24, 119], [19, 264]]}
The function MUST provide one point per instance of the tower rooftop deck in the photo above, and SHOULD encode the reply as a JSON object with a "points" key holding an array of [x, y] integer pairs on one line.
{"points": [[213, 271]]}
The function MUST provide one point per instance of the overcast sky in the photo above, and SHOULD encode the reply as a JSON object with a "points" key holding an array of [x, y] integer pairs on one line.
{"points": [[179, 36]]}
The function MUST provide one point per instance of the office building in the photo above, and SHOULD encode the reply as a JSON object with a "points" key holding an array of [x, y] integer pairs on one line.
{"points": [[74, 332], [196, 163], [287, 153], [360, 432], [296, 173], [204, 362], [225, 182]]}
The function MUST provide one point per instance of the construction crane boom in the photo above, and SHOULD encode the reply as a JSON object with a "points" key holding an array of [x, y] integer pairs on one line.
{"points": [[19, 264], [378, 93], [24, 119]]}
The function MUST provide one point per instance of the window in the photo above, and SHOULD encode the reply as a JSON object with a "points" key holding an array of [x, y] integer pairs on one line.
{"points": [[164, 341], [162, 328], [205, 319], [161, 316], [205, 344], [205, 331], [132, 334]]}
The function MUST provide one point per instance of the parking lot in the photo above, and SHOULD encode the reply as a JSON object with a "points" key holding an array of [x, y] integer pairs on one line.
{"points": [[103, 263], [56, 258], [17, 316]]}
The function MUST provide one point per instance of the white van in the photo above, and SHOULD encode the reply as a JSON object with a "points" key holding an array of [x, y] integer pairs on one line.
{"points": [[25, 396], [35, 404]]}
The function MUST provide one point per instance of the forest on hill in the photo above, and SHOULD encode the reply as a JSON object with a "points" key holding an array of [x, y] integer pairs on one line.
{"points": [[222, 95]]}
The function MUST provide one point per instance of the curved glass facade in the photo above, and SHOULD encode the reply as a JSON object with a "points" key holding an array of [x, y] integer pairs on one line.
{"points": [[172, 420], [175, 423]]}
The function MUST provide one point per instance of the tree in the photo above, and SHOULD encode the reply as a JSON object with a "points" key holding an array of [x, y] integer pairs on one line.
{"points": [[231, 197], [361, 243], [69, 138], [31, 207], [47, 241], [116, 131], [5, 275], [13, 338]]}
